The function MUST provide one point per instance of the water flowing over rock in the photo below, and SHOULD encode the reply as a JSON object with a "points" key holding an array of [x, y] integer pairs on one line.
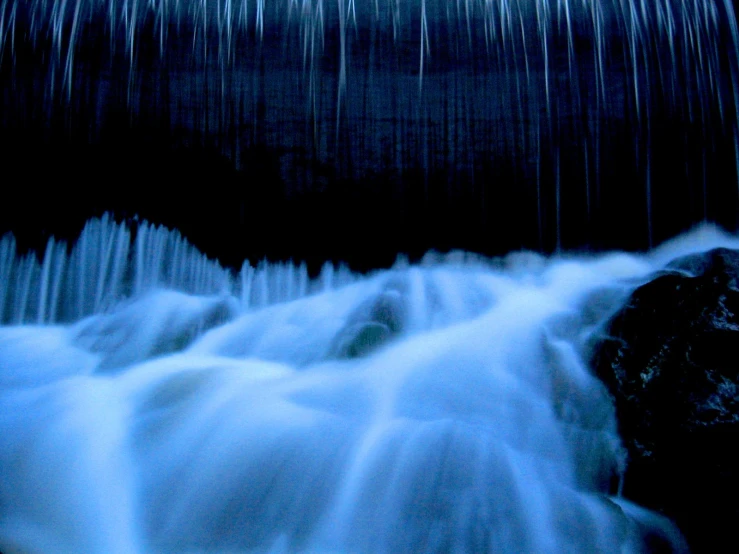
{"points": [[441, 407], [670, 361]]}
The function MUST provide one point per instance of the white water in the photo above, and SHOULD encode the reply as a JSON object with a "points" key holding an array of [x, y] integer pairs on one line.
{"points": [[435, 408]]}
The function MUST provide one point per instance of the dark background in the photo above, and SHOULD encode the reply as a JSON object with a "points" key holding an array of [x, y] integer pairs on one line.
{"points": [[594, 131]]}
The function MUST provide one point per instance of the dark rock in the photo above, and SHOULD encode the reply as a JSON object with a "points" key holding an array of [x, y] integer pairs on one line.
{"points": [[671, 362]]}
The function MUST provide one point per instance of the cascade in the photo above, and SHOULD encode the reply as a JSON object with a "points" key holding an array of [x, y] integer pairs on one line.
{"points": [[436, 407]]}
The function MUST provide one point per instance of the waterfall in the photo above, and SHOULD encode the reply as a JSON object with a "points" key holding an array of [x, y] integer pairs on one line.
{"points": [[107, 266], [438, 407], [159, 394]]}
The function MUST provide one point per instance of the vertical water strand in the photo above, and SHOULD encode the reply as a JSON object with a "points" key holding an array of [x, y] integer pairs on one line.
{"points": [[112, 26], [369, 129], [68, 66], [702, 49], [8, 10], [151, 268], [148, 270], [326, 277], [131, 21], [195, 272], [395, 10], [547, 36], [633, 32], [543, 26], [138, 267], [162, 17], [291, 6], [57, 27], [644, 47], [3, 40], [629, 16], [657, 32], [243, 18], [574, 91], [80, 252], [259, 25], [600, 100], [274, 279], [506, 40], [713, 33], [57, 280], [303, 280], [670, 27], [523, 135], [120, 262], [728, 6], [11, 26], [694, 70], [353, 11], [199, 273], [261, 296], [468, 105], [543, 31], [579, 114], [7, 267], [25, 277], [701, 44], [312, 26], [246, 277], [105, 252], [715, 60], [322, 32], [424, 47], [282, 280], [39, 8], [206, 95], [341, 90], [44, 284], [205, 282], [221, 23], [487, 16], [178, 264], [158, 251]]}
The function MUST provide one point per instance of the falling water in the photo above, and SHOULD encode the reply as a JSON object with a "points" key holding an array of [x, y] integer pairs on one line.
{"points": [[483, 124]]}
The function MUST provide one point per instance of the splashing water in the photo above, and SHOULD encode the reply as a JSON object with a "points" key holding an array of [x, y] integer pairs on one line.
{"points": [[440, 407]]}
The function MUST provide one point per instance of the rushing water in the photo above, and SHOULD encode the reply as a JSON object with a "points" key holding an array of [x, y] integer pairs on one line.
{"points": [[440, 407]]}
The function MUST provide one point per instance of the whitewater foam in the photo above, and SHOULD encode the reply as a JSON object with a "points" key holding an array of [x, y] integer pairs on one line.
{"points": [[436, 408]]}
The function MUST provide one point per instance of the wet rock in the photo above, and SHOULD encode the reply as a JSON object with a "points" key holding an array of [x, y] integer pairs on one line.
{"points": [[373, 325], [671, 362], [161, 322]]}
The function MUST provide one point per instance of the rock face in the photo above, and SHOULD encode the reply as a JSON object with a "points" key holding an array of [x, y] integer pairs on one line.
{"points": [[671, 362]]}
